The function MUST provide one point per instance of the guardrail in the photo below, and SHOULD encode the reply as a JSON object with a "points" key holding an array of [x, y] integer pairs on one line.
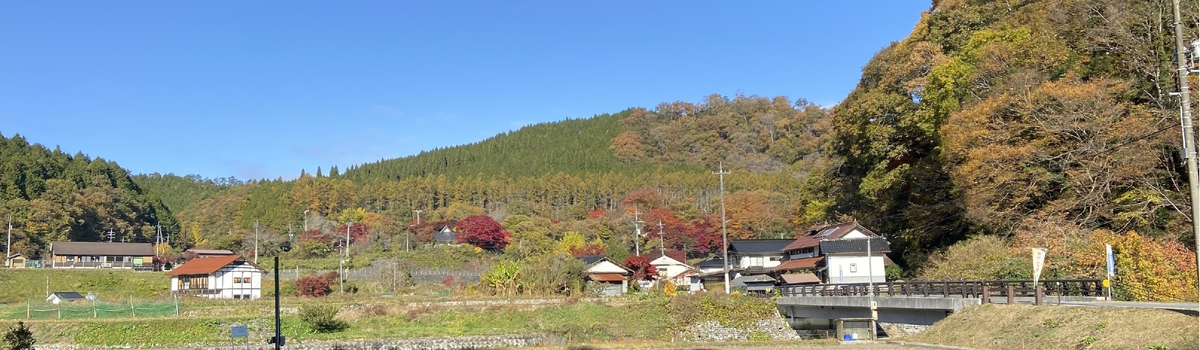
{"points": [[964, 289]]}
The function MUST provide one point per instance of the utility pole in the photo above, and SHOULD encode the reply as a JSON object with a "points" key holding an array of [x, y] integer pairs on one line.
{"points": [[661, 243], [305, 220], [110, 235], [871, 286], [158, 238], [724, 236], [256, 242], [407, 245], [8, 247], [637, 231], [348, 238], [1188, 135]]}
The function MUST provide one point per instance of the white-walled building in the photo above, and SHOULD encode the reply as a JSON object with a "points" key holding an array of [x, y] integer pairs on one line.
{"points": [[606, 274], [218, 277], [847, 261], [838, 254], [755, 256]]}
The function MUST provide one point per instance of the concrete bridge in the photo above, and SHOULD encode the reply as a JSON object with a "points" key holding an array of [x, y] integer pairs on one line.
{"points": [[918, 303]]}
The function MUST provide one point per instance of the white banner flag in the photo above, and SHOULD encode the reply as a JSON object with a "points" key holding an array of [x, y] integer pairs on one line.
{"points": [[1039, 258]]}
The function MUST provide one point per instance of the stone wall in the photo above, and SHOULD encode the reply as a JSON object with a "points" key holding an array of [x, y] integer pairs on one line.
{"points": [[769, 329]]}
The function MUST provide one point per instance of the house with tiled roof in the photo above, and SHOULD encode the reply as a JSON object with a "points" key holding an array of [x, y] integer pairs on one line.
{"points": [[606, 276], [673, 267], [835, 254], [91, 255], [217, 277], [755, 256]]}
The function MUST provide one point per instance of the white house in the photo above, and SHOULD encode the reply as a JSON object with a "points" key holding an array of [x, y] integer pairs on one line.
{"points": [[756, 256], [218, 277], [671, 267], [608, 275], [837, 254], [847, 260]]}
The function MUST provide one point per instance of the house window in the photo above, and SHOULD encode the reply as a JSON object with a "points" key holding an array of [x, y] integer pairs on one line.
{"points": [[853, 268], [198, 282], [237, 280]]}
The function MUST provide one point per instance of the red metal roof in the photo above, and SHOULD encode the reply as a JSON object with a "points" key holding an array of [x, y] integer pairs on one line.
{"points": [[606, 277], [204, 266], [806, 263]]}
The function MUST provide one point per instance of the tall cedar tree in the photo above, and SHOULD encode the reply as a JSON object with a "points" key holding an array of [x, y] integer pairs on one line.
{"points": [[481, 231]]}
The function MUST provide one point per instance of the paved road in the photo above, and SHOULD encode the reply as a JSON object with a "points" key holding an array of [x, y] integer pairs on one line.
{"points": [[1136, 304]]}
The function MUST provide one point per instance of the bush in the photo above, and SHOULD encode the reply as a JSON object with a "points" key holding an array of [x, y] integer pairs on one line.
{"points": [[19, 337], [320, 318], [316, 286], [979, 258]]}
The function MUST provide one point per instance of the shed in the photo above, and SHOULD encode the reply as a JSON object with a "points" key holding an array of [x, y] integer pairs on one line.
{"points": [[58, 297], [16, 261]]}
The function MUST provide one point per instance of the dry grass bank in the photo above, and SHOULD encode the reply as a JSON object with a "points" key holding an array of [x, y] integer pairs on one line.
{"points": [[1063, 327]]}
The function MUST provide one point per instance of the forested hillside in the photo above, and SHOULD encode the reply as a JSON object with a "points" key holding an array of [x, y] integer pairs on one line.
{"points": [[572, 146], [994, 127], [177, 192], [53, 196]]}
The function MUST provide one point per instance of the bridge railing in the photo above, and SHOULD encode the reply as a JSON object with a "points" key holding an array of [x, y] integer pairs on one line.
{"points": [[964, 289]]}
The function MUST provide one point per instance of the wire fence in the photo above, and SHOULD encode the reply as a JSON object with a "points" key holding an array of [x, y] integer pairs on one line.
{"points": [[39, 310]]}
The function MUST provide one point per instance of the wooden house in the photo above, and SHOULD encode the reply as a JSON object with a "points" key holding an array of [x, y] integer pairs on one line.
{"points": [[606, 275], [92, 255], [218, 277]]}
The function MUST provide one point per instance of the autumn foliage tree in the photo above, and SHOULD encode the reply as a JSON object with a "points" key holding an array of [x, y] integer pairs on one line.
{"points": [[482, 231], [642, 270], [316, 286]]}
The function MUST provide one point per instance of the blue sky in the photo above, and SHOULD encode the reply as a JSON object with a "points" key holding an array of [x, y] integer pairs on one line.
{"points": [[262, 89]]}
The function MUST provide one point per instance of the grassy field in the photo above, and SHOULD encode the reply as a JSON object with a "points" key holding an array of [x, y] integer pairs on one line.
{"points": [[654, 319], [1063, 327], [19, 285]]}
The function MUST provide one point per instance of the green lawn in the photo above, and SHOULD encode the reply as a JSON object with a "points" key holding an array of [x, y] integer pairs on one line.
{"points": [[19, 285], [208, 322]]}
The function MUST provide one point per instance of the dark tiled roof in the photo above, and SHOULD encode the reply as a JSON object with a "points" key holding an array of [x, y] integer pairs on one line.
{"points": [[813, 237], [102, 248], [444, 236], [713, 262], [878, 244], [591, 259], [68, 295], [758, 246]]}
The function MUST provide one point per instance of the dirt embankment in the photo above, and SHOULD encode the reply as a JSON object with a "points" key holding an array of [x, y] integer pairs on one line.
{"points": [[1063, 327]]}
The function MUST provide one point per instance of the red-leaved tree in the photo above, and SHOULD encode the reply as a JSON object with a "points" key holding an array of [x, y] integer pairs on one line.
{"points": [[316, 286], [481, 231], [642, 270]]}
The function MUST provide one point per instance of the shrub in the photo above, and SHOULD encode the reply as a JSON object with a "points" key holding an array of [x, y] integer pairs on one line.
{"points": [[19, 337], [979, 258], [320, 318], [316, 286]]}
